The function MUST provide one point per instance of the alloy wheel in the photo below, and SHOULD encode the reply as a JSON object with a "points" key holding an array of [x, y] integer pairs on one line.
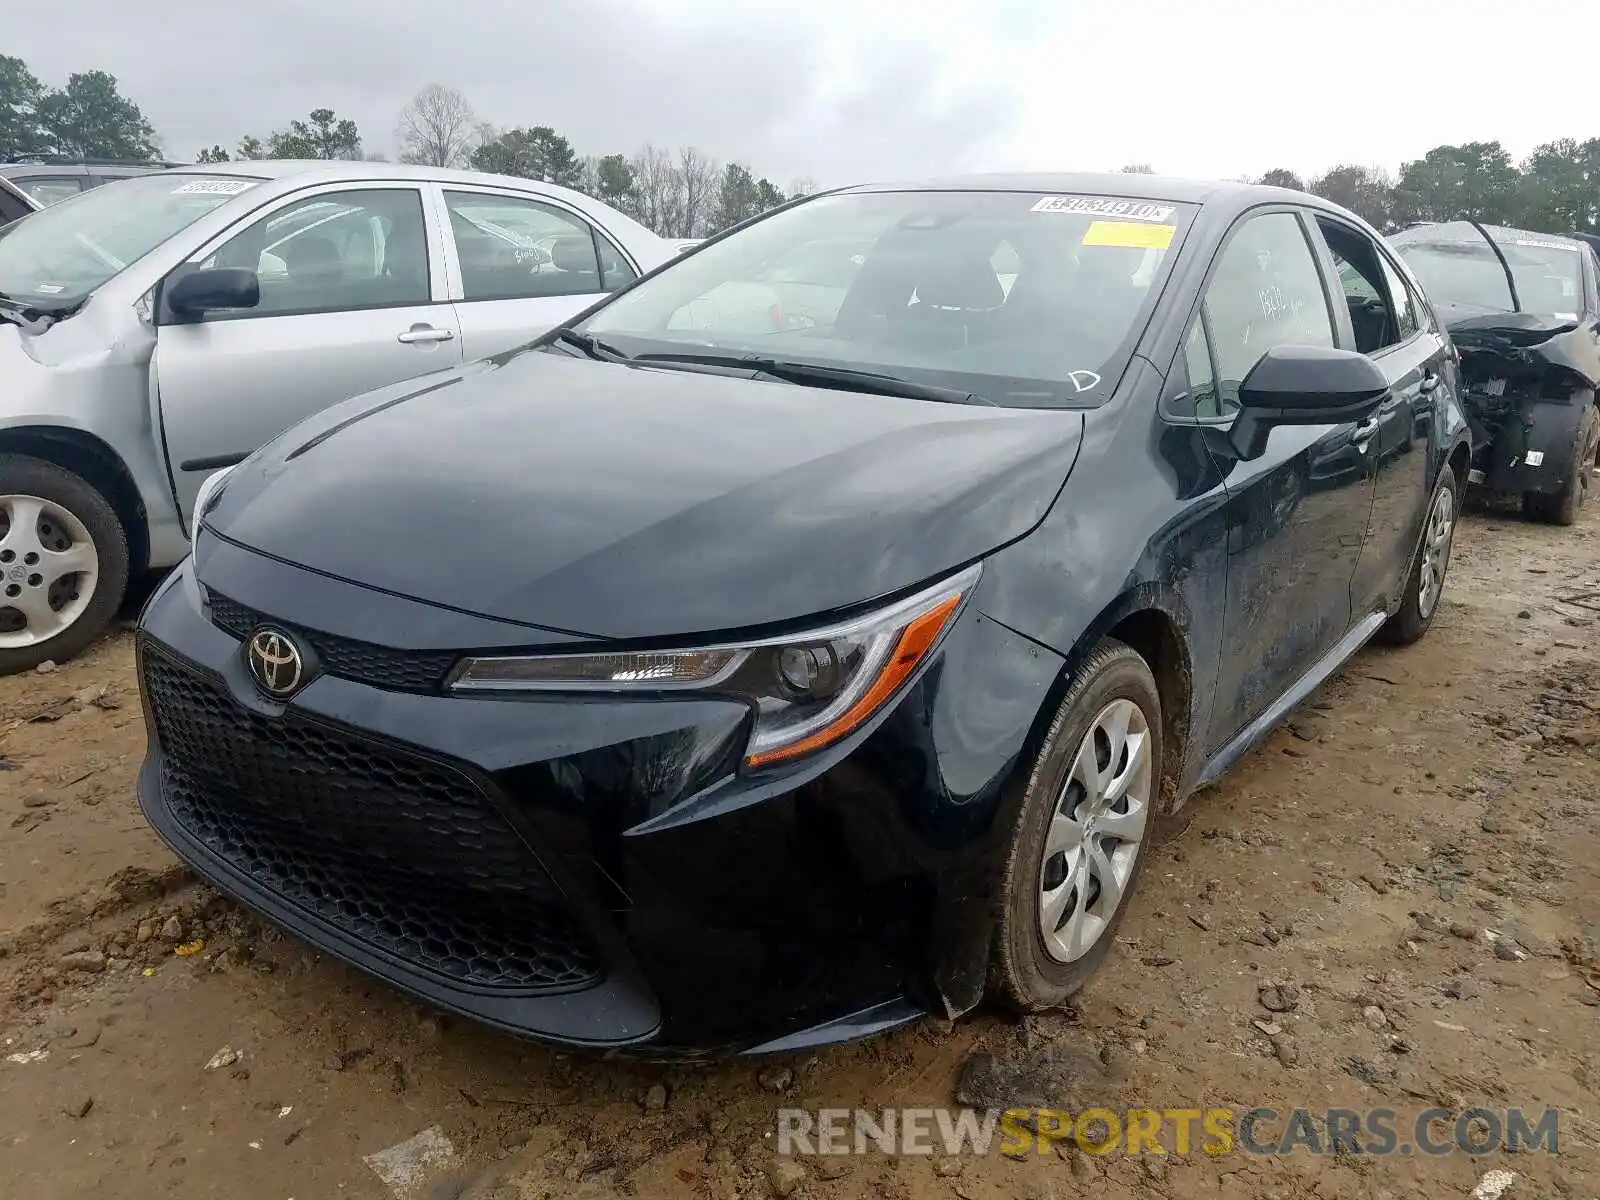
{"points": [[1096, 832], [48, 570], [1436, 541]]}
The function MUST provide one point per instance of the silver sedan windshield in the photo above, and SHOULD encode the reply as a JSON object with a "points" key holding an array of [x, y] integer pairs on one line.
{"points": [[60, 254]]}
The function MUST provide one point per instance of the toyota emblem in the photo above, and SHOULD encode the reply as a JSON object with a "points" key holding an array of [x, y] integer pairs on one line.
{"points": [[275, 663]]}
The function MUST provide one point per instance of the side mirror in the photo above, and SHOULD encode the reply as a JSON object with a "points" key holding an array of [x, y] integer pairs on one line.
{"points": [[1304, 385], [213, 288]]}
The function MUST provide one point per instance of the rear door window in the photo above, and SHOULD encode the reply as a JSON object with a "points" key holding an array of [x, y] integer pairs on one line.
{"points": [[50, 189], [512, 248]]}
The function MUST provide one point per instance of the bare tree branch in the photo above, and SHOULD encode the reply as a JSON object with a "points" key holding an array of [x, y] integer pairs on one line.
{"points": [[438, 128], [659, 188], [698, 174]]}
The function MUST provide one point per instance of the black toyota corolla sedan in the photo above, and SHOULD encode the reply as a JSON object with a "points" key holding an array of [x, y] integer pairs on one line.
{"points": [[773, 656]]}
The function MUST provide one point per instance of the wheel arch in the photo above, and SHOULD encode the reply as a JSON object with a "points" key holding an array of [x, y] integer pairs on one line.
{"points": [[1155, 623], [86, 456], [1459, 460]]}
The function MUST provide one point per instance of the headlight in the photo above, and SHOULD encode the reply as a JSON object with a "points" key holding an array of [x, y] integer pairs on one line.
{"points": [[210, 489], [808, 690]]}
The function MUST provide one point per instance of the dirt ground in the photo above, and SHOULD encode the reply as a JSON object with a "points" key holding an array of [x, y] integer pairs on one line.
{"points": [[1418, 851]]}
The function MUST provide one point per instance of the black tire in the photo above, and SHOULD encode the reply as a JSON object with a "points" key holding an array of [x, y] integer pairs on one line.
{"points": [[26, 476], [1410, 621], [1023, 975], [1563, 507]]}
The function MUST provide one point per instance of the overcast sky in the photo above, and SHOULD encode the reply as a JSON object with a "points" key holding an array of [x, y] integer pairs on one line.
{"points": [[848, 90]]}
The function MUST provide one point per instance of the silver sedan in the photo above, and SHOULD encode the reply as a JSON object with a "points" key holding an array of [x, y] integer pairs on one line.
{"points": [[158, 329]]}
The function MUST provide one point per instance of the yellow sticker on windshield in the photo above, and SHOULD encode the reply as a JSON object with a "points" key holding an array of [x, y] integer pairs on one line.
{"points": [[1130, 235]]}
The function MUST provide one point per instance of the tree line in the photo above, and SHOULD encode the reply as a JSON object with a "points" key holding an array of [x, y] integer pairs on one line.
{"points": [[687, 193], [678, 193], [1555, 189], [87, 118]]}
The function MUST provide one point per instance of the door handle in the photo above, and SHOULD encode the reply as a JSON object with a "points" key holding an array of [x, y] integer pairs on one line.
{"points": [[1430, 380], [1363, 432], [425, 333]]}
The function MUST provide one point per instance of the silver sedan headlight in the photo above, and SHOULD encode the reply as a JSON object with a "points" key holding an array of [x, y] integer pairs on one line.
{"points": [[210, 489]]}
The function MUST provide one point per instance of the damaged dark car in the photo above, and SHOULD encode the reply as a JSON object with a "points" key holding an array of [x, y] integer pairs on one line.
{"points": [[1523, 310]]}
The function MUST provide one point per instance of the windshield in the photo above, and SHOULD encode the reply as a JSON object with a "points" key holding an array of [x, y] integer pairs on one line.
{"points": [[1024, 299], [1548, 274], [62, 253]]}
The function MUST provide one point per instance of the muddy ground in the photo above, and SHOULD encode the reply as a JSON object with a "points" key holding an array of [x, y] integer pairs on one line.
{"points": [[1418, 852]]}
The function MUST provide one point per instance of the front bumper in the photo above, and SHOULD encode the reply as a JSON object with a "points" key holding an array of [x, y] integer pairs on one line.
{"points": [[587, 872], [1524, 446]]}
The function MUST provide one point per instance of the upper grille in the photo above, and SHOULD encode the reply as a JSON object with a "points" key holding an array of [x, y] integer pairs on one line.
{"points": [[399, 851], [396, 670]]}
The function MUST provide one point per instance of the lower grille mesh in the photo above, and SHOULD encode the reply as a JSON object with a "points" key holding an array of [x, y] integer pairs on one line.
{"points": [[401, 852]]}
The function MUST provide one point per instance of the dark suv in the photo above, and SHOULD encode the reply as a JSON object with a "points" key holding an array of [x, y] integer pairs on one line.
{"points": [[52, 179]]}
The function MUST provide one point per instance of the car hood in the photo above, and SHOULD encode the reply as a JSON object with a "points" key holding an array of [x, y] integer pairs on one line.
{"points": [[621, 502], [1525, 328]]}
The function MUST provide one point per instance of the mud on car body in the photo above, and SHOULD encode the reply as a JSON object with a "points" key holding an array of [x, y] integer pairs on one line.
{"points": [[1523, 310], [672, 686]]}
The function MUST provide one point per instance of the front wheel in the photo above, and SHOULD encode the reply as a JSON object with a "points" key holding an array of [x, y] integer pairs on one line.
{"points": [[63, 563], [1563, 507], [1087, 815], [1425, 584]]}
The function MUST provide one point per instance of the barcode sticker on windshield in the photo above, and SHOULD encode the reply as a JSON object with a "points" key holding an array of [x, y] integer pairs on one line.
{"points": [[50, 289], [1542, 244], [213, 187], [1104, 206]]}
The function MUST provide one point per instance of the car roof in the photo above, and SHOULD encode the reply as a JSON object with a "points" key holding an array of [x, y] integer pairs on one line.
{"points": [[1131, 185], [1466, 231], [43, 166], [315, 171]]}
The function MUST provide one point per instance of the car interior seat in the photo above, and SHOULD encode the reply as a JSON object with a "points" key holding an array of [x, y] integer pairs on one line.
{"points": [[573, 255], [405, 258], [315, 272]]}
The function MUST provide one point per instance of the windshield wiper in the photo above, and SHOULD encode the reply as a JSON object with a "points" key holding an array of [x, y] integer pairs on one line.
{"points": [[842, 378], [31, 317], [592, 346]]}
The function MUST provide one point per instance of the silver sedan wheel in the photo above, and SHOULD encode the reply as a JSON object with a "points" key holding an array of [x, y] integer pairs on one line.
{"points": [[48, 570], [1096, 832], [1436, 551]]}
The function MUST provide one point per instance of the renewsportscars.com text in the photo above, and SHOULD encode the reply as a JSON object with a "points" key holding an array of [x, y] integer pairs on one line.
{"points": [[1212, 1131]]}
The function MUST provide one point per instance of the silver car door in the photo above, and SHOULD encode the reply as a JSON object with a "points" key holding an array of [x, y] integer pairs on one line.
{"points": [[521, 264], [353, 297]]}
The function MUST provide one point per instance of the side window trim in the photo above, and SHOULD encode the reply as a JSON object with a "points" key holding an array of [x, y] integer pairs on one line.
{"points": [[1180, 407], [265, 212], [1344, 333], [1206, 334], [601, 240], [1418, 318]]}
